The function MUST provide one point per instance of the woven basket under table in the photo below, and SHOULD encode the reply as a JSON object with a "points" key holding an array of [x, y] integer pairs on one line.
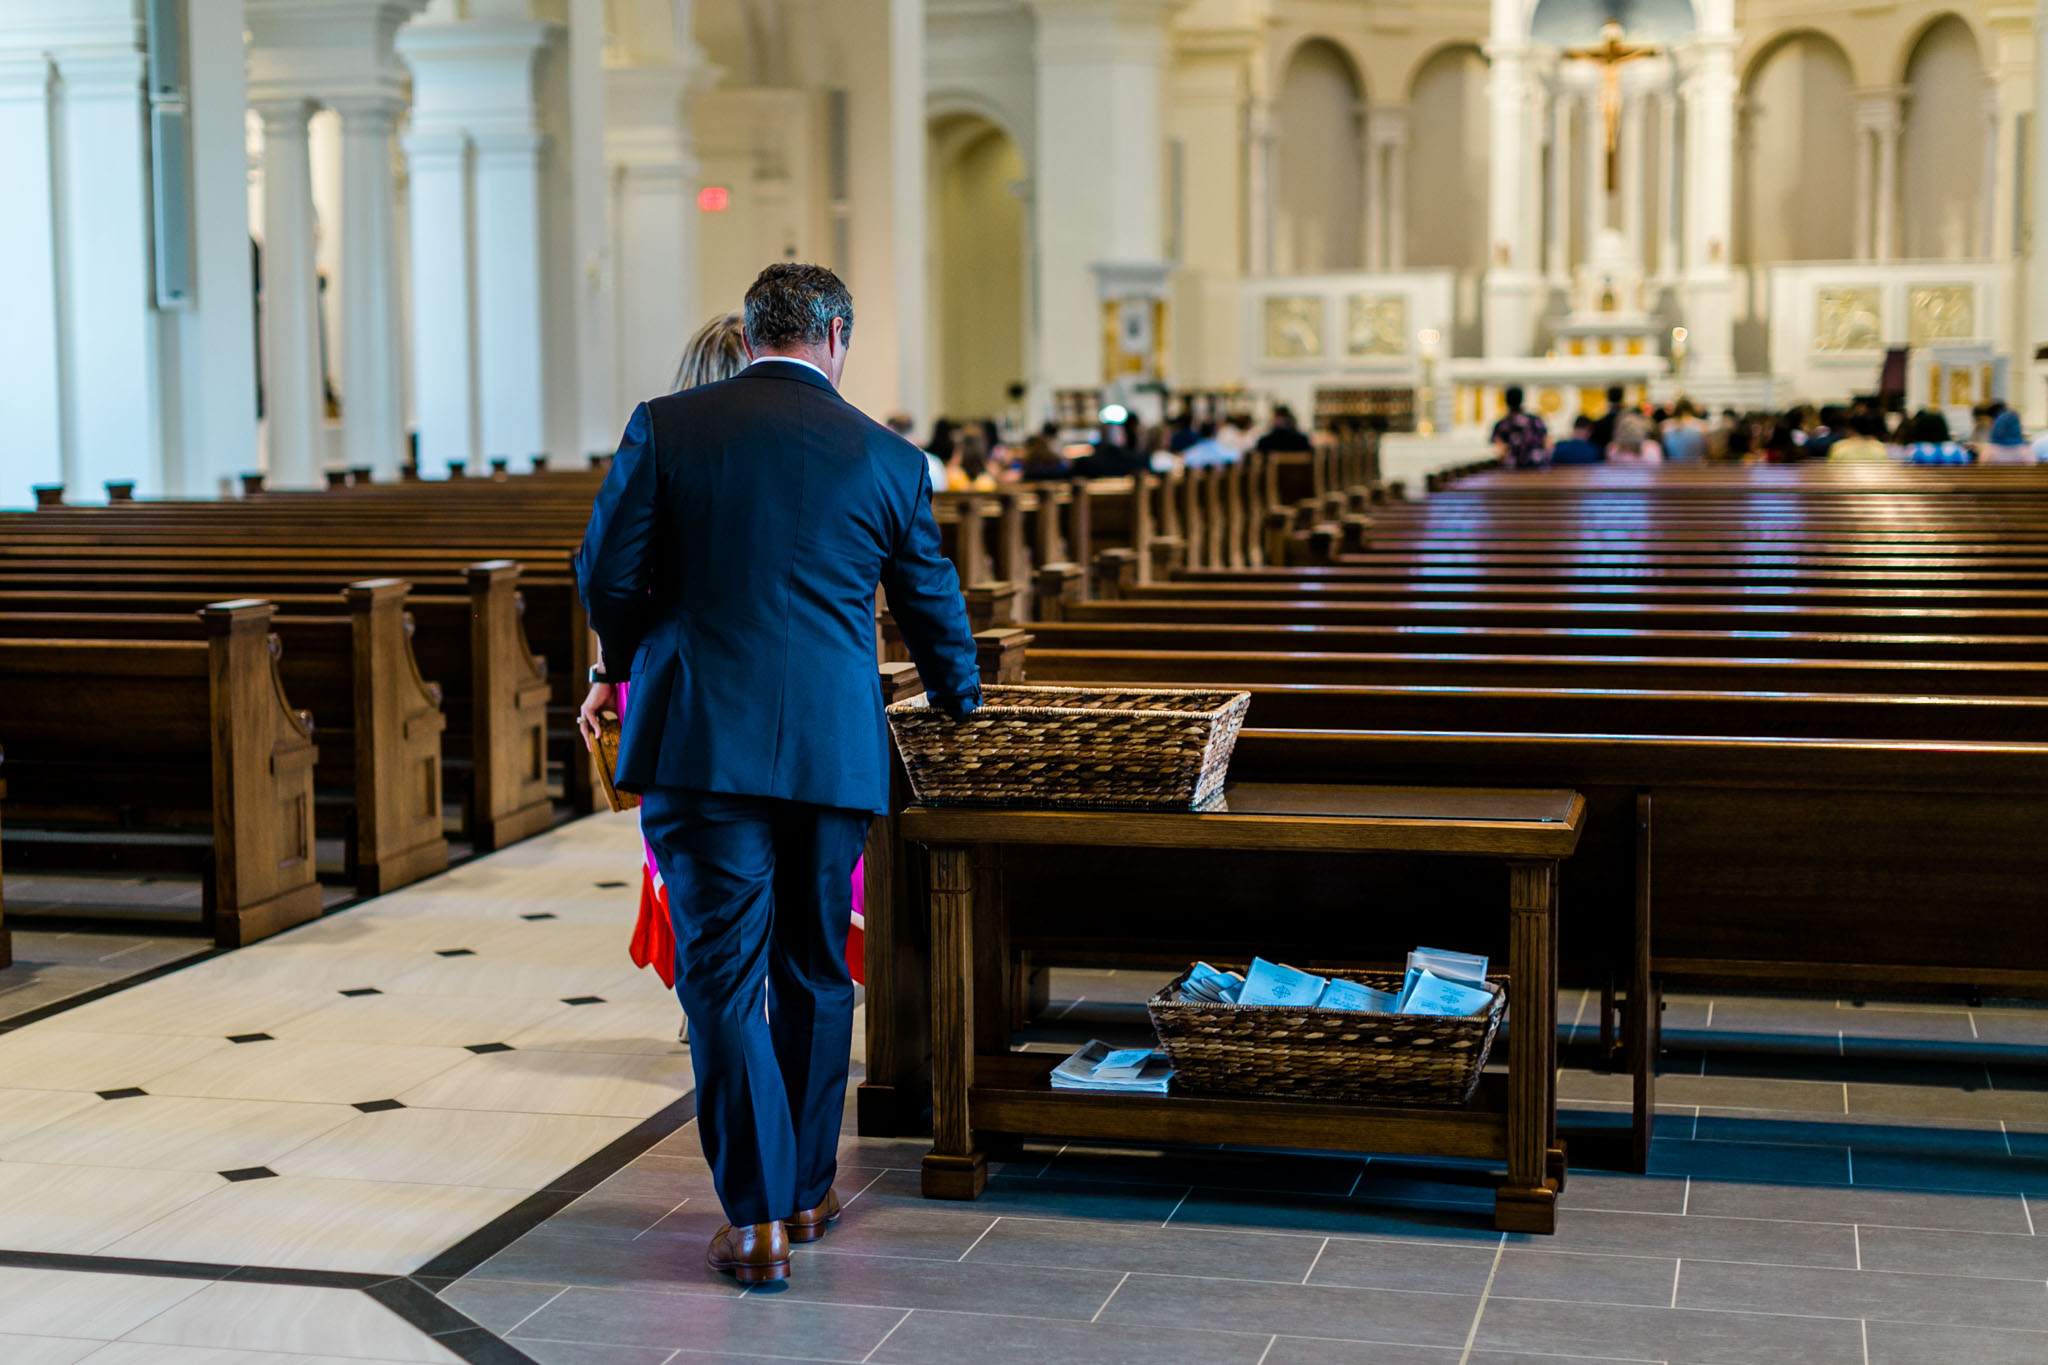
{"points": [[1125, 748], [1286, 1052]]}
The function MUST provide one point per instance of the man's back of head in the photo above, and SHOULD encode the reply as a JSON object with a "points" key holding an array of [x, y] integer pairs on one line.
{"points": [[801, 312]]}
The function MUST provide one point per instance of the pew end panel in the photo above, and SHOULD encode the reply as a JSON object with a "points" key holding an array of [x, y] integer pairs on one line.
{"points": [[509, 786], [398, 728]]}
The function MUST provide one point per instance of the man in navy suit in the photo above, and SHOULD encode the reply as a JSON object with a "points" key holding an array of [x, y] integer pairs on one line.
{"points": [[733, 557]]}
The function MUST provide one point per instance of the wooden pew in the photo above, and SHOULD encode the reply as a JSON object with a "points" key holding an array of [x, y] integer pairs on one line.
{"points": [[192, 747]]}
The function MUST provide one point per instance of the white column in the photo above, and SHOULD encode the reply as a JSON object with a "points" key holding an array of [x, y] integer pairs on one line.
{"points": [[1511, 283], [1558, 262], [291, 321], [1594, 120], [654, 179], [1709, 295], [1667, 185], [1865, 212], [1260, 187], [1397, 194], [510, 377], [1100, 109], [911, 188], [30, 392], [1878, 114], [1373, 157], [443, 343], [2037, 148], [600, 414], [1533, 111], [1987, 229], [1632, 175], [373, 413]]}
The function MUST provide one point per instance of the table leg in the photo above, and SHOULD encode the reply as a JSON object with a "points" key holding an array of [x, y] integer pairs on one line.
{"points": [[1526, 1202], [1554, 1158], [953, 1169], [1644, 1007]]}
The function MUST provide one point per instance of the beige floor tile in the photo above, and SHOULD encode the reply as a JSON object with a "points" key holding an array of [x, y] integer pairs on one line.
{"points": [[17, 1350], [24, 1111], [360, 1225], [289, 1069], [422, 1020], [290, 1318], [643, 1024], [83, 1208], [177, 1133], [193, 1007], [557, 1083], [549, 979], [41, 1057], [70, 1303], [314, 970], [454, 1147]]}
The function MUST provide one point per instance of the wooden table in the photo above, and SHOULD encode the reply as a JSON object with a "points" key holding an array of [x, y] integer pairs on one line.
{"points": [[979, 1084]]}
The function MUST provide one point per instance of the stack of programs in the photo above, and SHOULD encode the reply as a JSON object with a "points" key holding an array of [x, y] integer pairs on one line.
{"points": [[1445, 983], [1130, 1071], [1437, 982], [1271, 983], [1207, 986]]}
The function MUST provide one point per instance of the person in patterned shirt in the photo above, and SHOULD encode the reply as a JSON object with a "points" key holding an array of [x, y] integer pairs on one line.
{"points": [[1520, 440]]}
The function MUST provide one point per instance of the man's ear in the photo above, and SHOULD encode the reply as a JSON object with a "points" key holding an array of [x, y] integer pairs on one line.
{"points": [[835, 337]]}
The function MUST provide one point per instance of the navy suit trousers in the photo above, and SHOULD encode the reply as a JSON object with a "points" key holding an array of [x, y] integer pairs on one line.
{"points": [[761, 894]]}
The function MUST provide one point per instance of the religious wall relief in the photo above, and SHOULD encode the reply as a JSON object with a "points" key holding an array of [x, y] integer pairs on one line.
{"points": [[1294, 327], [1940, 312], [1848, 319], [1377, 326]]}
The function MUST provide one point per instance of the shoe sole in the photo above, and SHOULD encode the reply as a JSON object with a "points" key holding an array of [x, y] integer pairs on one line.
{"points": [[757, 1274], [802, 1235]]}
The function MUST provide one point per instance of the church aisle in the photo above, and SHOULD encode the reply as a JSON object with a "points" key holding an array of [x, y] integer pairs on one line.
{"points": [[358, 1095]]}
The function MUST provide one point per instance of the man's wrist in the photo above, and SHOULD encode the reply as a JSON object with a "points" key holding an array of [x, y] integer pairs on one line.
{"points": [[600, 678]]}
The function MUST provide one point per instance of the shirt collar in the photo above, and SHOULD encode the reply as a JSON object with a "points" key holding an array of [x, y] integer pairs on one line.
{"points": [[791, 360]]}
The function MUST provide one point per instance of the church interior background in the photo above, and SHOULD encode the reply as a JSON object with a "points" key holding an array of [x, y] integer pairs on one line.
{"points": [[488, 225]]}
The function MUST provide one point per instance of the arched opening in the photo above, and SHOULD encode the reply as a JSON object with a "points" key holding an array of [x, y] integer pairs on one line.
{"points": [[1322, 163], [978, 265], [1580, 21], [1447, 161], [1798, 153], [1941, 165]]}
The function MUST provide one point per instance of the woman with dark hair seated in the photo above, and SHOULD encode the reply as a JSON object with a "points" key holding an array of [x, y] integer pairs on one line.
{"points": [[1928, 441], [1042, 461]]}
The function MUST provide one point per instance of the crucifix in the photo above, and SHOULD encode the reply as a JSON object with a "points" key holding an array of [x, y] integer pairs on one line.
{"points": [[1612, 54]]}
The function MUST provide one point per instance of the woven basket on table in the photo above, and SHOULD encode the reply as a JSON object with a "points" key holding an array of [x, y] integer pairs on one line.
{"points": [[1286, 1052], [1127, 748]]}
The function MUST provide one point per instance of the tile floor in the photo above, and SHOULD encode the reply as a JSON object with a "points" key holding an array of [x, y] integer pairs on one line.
{"points": [[399, 1101], [55, 965]]}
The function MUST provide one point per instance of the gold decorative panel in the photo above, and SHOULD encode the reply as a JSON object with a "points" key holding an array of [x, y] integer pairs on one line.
{"points": [[1941, 312], [1376, 325], [1849, 319], [1294, 327]]}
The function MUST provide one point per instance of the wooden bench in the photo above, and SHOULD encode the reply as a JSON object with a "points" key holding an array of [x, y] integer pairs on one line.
{"points": [[190, 749]]}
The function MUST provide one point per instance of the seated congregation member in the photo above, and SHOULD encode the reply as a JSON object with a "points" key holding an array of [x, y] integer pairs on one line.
{"points": [[1603, 425], [967, 471], [1520, 440], [733, 555], [2008, 443], [1115, 455], [1684, 437], [1042, 460], [1927, 441], [1208, 451], [1579, 447], [1632, 443], [1864, 444], [1285, 438]]}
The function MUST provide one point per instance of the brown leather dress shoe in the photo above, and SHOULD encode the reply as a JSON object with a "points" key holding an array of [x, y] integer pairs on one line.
{"points": [[752, 1255], [810, 1225]]}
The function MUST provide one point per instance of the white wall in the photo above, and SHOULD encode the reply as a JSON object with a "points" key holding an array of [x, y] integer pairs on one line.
{"points": [[1795, 184], [1813, 375], [1320, 223], [1941, 164]]}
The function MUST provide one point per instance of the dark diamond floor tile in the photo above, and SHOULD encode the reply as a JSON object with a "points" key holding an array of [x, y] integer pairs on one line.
{"points": [[1755, 1161], [1860, 1204], [249, 1038], [609, 886], [1997, 1255], [1334, 1217], [498, 1305], [361, 991], [762, 1324], [539, 915], [934, 1338], [1952, 1171], [1756, 1240], [1666, 1334], [241, 1173], [455, 952], [1942, 1299], [378, 1106], [892, 1282], [583, 1000], [1277, 1257], [482, 1049], [1305, 1310], [1899, 1343], [125, 1093]]}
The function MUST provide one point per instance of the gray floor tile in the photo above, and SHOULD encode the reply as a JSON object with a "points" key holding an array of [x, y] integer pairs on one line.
{"points": [[1985, 1105], [1119, 1202], [1741, 1092], [1756, 1161], [923, 1229], [1953, 1171], [1754, 1240], [1900, 1343], [1861, 1204], [1624, 1193], [583, 1353], [499, 1305], [894, 1282], [1668, 1334], [1183, 1251], [673, 1263], [1214, 1167], [1389, 1180], [1862, 1133], [1862, 1065], [1429, 1267], [1531, 1273], [1306, 1310], [1333, 1217], [1998, 1255], [1944, 1299], [929, 1338], [765, 1324], [1309, 1351]]}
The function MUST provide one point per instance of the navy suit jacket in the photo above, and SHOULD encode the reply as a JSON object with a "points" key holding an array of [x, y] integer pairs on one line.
{"points": [[733, 557]]}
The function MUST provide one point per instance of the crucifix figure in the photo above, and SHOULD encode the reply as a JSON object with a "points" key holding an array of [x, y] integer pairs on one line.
{"points": [[1612, 54]]}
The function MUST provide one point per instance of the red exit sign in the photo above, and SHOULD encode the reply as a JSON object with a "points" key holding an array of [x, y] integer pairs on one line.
{"points": [[714, 199]]}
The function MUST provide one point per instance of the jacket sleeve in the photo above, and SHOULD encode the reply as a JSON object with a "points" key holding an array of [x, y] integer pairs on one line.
{"points": [[924, 596], [616, 561]]}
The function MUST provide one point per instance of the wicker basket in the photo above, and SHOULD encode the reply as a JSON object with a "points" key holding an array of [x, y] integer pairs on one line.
{"points": [[1130, 748], [1285, 1052]]}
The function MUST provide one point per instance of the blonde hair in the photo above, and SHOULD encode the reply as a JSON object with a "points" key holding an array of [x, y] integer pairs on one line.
{"points": [[718, 351]]}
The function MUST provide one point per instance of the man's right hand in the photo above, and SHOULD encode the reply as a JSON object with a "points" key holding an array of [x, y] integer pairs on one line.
{"points": [[590, 718]]}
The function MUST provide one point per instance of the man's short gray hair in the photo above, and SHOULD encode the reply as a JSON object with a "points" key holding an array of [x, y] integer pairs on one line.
{"points": [[791, 304]]}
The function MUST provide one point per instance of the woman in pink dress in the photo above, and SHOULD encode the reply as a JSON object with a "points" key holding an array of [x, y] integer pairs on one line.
{"points": [[717, 352]]}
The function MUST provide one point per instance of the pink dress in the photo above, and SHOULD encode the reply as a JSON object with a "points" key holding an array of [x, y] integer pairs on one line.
{"points": [[654, 937]]}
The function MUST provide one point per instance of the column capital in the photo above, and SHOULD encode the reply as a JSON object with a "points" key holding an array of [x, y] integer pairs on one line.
{"points": [[367, 113], [329, 50], [282, 111], [1387, 123], [24, 76], [1881, 108]]}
